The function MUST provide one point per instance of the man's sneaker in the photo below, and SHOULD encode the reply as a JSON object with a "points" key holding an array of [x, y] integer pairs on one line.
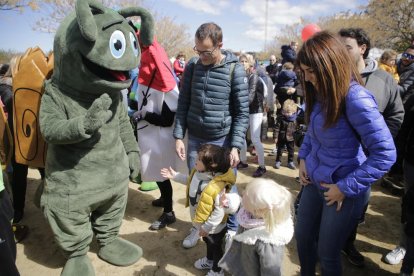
{"points": [[192, 238], [164, 220], [159, 202], [228, 239], [291, 166], [353, 256], [259, 172], [395, 256], [277, 165], [214, 273], [203, 263], [242, 165]]}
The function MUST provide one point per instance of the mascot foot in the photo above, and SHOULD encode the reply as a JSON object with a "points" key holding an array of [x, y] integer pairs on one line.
{"points": [[137, 179], [120, 252], [148, 186], [80, 265]]}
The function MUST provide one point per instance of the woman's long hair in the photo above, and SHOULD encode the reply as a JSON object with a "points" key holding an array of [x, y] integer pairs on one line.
{"points": [[334, 71]]}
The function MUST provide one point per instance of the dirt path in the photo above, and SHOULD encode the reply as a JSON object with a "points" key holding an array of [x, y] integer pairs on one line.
{"points": [[38, 254]]}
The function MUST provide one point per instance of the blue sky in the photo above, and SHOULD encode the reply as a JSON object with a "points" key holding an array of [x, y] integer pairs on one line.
{"points": [[242, 21]]}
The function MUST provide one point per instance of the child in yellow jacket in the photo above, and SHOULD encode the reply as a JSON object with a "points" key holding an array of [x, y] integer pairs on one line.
{"points": [[211, 177], [387, 63]]}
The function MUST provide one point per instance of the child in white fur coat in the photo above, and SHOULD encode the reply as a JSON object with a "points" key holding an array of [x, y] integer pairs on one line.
{"points": [[265, 228]]}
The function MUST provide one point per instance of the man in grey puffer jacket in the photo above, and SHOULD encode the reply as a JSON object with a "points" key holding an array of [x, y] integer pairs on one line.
{"points": [[213, 104]]}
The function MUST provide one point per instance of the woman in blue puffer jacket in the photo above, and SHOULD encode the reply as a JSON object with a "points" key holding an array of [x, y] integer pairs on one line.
{"points": [[343, 123]]}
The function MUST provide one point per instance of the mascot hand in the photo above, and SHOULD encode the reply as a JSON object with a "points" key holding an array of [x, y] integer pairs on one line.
{"points": [[134, 164], [98, 114]]}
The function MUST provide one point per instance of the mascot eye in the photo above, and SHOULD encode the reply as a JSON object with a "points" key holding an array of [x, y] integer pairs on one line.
{"points": [[134, 43], [117, 44]]}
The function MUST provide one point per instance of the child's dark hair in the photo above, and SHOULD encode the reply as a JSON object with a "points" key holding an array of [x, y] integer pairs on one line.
{"points": [[214, 158]]}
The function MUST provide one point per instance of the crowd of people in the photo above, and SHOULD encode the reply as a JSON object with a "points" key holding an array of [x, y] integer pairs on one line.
{"points": [[359, 119]]}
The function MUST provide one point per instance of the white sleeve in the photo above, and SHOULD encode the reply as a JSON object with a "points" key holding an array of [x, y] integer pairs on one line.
{"points": [[181, 178]]}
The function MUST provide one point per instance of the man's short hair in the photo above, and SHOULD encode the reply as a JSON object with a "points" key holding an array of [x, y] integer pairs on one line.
{"points": [[210, 30], [359, 35]]}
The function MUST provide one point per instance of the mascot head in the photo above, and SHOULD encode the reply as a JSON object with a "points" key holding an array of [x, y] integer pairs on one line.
{"points": [[96, 47]]}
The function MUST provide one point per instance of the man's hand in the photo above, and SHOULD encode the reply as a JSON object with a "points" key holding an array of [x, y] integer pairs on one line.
{"points": [[180, 149], [234, 157]]}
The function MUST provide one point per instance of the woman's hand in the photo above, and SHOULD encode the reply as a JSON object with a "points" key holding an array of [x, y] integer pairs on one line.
{"points": [[303, 175], [333, 194]]}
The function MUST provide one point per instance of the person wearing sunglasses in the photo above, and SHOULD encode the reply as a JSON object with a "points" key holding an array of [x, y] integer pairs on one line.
{"points": [[405, 69]]}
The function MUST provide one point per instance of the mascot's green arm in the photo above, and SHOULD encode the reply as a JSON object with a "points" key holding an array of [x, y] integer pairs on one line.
{"points": [[55, 127], [126, 131]]}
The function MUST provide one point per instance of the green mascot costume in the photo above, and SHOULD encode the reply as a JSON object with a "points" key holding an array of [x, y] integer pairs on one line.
{"points": [[91, 146]]}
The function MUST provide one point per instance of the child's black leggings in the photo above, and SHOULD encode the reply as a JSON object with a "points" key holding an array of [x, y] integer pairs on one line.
{"points": [[166, 194], [214, 248]]}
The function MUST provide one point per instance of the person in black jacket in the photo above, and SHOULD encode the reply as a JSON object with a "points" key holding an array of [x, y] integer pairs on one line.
{"points": [[289, 52], [406, 142], [385, 91], [273, 68]]}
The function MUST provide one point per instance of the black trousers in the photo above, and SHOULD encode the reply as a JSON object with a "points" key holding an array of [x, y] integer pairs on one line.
{"points": [[214, 248], [290, 145], [166, 194], [7, 243], [19, 185]]}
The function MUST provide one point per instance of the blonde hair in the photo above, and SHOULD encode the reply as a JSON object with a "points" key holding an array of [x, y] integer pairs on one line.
{"points": [[289, 106], [288, 66], [266, 199], [249, 58], [387, 55]]}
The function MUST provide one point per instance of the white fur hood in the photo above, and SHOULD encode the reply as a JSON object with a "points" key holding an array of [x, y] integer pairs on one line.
{"points": [[281, 235]]}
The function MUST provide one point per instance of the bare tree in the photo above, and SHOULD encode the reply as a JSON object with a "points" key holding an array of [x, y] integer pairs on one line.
{"points": [[55, 11], [172, 36], [20, 5], [394, 19]]}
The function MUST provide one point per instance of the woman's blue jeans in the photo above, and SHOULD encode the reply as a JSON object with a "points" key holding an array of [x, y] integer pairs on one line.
{"points": [[321, 231], [193, 144]]}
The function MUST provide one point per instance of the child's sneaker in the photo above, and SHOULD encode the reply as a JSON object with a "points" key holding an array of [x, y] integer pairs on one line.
{"points": [[164, 220], [277, 165], [203, 263], [291, 166], [259, 172], [214, 273], [192, 238]]}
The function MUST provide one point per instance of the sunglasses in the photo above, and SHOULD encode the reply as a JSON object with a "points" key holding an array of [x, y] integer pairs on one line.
{"points": [[408, 56]]}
